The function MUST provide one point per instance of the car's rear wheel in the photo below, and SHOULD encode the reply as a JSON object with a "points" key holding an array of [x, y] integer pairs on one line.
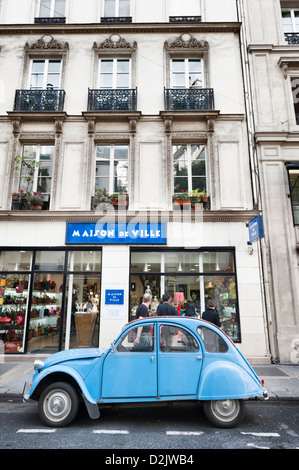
{"points": [[224, 413], [58, 404]]}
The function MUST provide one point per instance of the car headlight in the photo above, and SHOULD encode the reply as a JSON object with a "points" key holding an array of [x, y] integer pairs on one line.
{"points": [[38, 364]]}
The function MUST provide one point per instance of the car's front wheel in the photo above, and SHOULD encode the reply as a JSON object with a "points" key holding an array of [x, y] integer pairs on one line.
{"points": [[58, 404], [224, 413]]}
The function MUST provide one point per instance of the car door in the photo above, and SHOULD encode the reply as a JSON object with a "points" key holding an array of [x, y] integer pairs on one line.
{"points": [[179, 362], [130, 370]]}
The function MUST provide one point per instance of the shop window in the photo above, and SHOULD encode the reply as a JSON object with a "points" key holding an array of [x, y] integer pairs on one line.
{"points": [[36, 170], [190, 278], [189, 168], [15, 260], [49, 319], [82, 320], [45, 313], [293, 173], [49, 261], [175, 339], [111, 172], [13, 310]]}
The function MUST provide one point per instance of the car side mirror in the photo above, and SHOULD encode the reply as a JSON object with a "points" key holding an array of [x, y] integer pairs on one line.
{"points": [[113, 347]]}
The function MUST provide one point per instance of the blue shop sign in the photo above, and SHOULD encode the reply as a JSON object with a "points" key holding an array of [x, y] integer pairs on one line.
{"points": [[114, 297], [256, 228], [116, 233]]}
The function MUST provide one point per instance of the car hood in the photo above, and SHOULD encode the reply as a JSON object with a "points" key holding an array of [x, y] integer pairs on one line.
{"points": [[74, 354]]}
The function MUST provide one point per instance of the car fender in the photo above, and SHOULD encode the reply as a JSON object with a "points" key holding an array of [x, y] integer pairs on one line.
{"points": [[224, 379], [62, 369]]}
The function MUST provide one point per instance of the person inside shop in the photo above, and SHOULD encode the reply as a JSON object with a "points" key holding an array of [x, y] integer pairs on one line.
{"points": [[210, 314], [166, 308], [143, 337]]}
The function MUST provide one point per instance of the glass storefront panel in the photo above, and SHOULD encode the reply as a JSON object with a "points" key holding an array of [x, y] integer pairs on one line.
{"points": [[84, 261], [49, 261], [81, 325], [189, 277], [13, 312], [45, 313], [15, 260]]}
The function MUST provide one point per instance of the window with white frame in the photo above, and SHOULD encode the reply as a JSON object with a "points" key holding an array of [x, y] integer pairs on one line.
{"points": [[189, 168], [116, 8], [111, 172], [114, 73], [184, 7], [186, 73], [293, 173], [36, 168], [45, 73], [295, 94], [52, 8], [290, 20]]}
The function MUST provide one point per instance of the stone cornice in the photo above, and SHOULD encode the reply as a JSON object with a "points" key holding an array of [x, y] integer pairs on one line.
{"points": [[91, 216], [117, 28]]}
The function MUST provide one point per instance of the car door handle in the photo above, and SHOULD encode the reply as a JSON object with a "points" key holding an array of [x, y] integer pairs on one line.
{"points": [[152, 358], [198, 357]]}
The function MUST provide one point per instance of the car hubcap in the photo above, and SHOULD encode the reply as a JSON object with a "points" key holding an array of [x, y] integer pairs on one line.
{"points": [[225, 410], [57, 405]]}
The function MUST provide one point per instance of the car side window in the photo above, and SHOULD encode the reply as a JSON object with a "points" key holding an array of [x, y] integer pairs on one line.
{"points": [[176, 339], [212, 341], [139, 339]]}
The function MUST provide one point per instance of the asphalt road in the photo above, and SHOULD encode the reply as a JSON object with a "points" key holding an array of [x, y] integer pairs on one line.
{"points": [[180, 426]]}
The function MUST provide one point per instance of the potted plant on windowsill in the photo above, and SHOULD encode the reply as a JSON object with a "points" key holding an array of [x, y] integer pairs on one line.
{"points": [[35, 200], [100, 197], [18, 200], [119, 199], [181, 198], [204, 196]]}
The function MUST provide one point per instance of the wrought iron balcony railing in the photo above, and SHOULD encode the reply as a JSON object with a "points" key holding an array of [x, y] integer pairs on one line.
{"points": [[292, 38], [112, 100], [48, 100], [50, 20], [184, 19], [189, 99], [116, 19]]}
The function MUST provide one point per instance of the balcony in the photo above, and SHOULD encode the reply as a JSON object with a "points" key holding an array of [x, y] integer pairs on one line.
{"points": [[185, 19], [57, 20], [39, 100], [291, 38], [112, 100], [116, 19], [189, 99]]}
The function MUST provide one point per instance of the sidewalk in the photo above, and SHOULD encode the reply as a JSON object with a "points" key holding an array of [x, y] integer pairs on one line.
{"points": [[281, 380]]}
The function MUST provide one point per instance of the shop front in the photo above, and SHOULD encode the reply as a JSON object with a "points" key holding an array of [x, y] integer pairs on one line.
{"points": [[85, 282], [49, 299]]}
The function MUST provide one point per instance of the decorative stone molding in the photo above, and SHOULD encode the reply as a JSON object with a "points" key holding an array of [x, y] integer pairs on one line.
{"points": [[46, 42], [115, 42], [187, 41]]}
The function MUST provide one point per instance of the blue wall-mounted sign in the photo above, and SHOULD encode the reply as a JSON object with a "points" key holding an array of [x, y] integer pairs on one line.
{"points": [[114, 297], [116, 233], [256, 228]]}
